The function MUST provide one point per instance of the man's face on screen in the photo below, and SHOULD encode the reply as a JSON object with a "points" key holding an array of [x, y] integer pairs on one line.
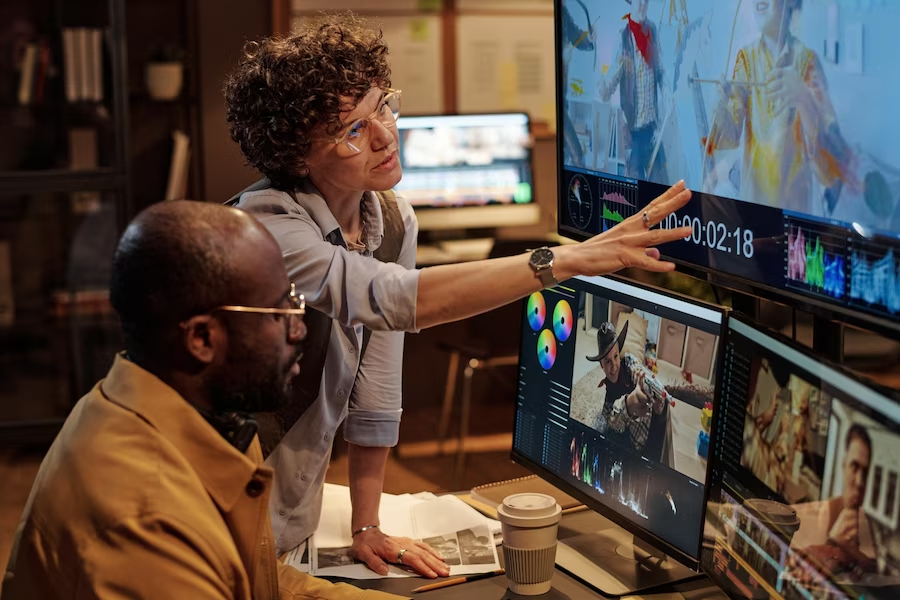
{"points": [[611, 364], [856, 472], [770, 16]]}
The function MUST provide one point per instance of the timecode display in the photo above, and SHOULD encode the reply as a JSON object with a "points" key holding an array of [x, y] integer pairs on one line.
{"points": [[713, 235]]}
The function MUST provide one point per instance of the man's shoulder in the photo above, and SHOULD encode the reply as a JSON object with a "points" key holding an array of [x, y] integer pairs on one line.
{"points": [[107, 465]]}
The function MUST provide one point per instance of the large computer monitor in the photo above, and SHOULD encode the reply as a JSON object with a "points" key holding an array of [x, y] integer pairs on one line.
{"points": [[804, 483], [636, 457], [781, 117], [468, 171]]}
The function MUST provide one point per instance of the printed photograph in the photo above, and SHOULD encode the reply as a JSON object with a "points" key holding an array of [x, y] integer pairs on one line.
{"points": [[333, 557], [476, 546], [447, 546], [645, 382]]}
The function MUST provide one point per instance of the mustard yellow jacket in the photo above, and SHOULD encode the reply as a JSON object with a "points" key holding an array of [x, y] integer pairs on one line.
{"points": [[139, 497]]}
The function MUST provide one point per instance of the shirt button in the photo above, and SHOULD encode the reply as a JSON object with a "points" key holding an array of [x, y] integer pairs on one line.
{"points": [[304, 477], [341, 393], [282, 513], [326, 437], [255, 488], [352, 350]]}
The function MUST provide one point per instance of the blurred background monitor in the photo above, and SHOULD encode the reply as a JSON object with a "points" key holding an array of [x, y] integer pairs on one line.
{"points": [[638, 460], [468, 171], [796, 186], [804, 483]]}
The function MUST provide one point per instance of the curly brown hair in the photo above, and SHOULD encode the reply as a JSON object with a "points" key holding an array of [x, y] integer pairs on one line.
{"points": [[286, 88]]}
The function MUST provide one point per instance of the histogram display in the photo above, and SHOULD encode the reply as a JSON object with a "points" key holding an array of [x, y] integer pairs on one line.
{"points": [[619, 200]]}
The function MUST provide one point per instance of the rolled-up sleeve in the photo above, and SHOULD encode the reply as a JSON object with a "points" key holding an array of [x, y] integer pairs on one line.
{"points": [[376, 400], [351, 288]]}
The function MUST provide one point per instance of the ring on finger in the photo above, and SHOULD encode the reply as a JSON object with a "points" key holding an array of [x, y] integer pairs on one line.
{"points": [[645, 217], [400, 555]]}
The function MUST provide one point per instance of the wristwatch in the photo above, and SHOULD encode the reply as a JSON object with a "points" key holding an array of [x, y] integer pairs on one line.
{"points": [[541, 262]]}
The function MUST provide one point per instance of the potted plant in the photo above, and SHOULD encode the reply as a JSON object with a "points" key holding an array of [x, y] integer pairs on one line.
{"points": [[165, 72]]}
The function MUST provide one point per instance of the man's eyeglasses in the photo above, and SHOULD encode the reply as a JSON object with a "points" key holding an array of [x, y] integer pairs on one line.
{"points": [[358, 134], [294, 314]]}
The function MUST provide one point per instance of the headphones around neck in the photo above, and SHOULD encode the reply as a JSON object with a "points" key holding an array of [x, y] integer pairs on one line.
{"points": [[237, 428]]}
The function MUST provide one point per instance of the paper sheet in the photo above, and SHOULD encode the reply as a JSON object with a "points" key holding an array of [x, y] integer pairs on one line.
{"points": [[463, 536]]}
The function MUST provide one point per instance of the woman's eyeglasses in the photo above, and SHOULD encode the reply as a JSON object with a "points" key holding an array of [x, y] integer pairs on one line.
{"points": [[359, 133]]}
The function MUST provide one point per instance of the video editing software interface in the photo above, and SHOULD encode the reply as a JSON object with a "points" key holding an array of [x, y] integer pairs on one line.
{"points": [[615, 392], [781, 113], [804, 484], [465, 160]]}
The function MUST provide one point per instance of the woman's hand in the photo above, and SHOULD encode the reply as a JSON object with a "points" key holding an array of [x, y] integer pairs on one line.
{"points": [[376, 549], [628, 244]]}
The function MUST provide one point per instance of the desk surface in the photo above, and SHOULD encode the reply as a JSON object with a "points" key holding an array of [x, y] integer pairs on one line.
{"points": [[565, 587]]}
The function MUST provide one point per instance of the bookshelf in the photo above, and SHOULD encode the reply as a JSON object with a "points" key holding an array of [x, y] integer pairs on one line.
{"points": [[65, 195]]}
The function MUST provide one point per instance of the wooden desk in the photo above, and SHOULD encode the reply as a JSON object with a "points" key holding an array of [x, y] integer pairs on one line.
{"points": [[565, 587]]}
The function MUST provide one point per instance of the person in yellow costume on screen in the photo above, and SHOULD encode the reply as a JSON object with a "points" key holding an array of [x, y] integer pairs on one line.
{"points": [[777, 105]]}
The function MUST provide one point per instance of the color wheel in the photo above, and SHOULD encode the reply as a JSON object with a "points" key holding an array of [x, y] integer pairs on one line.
{"points": [[562, 320], [546, 349], [537, 311]]}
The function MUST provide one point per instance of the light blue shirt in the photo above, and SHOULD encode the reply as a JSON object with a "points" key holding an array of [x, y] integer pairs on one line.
{"points": [[355, 289]]}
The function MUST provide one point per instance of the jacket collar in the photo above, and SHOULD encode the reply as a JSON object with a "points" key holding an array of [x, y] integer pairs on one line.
{"points": [[224, 471], [311, 200]]}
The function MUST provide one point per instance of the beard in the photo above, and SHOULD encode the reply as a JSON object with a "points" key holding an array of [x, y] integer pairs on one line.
{"points": [[247, 384]]}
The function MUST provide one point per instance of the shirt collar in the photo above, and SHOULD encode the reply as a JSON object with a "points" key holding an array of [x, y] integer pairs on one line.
{"points": [[224, 471], [311, 200]]}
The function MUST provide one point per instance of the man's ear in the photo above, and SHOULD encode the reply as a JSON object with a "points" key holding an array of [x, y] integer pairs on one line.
{"points": [[203, 337]]}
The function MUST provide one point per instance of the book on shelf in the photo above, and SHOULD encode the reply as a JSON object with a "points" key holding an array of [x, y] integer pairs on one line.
{"points": [[489, 496], [179, 166], [83, 63]]}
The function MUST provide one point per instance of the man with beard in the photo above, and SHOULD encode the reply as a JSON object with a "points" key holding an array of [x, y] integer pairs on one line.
{"points": [[155, 486], [837, 532]]}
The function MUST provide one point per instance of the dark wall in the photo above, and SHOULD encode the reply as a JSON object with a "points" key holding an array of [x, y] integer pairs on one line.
{"points": [[223, 29]]}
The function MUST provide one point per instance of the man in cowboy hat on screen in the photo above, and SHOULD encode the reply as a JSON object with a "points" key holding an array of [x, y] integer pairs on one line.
{"points": [[629, 415]]}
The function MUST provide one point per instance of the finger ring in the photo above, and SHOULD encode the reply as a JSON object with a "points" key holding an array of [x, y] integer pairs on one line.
{"points": [[646, 218], [400, 556]]}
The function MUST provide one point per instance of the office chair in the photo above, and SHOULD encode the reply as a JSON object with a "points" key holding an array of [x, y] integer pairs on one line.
{"points": [[492, 341]]}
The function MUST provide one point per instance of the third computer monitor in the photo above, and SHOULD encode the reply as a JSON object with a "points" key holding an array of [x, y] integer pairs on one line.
{"points": [[781, 116], [804, 483], [468, 171], [615, 396]]}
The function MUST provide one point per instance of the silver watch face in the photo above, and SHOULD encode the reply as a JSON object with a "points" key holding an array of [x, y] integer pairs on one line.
{"points": [[541, 258]]}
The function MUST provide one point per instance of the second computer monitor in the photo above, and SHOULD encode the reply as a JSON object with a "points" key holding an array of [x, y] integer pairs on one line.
{"points": [[616, 391], [804, 488], [468, 171]]}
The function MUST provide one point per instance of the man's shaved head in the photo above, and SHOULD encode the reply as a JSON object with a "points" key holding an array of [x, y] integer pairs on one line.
{"points": [[179, 259]]}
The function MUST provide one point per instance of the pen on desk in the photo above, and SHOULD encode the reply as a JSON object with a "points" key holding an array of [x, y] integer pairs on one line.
{"points": [[456, 580]]}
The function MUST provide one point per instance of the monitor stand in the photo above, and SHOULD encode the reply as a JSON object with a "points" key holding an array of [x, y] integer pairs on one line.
{"points": [[616, 563]]}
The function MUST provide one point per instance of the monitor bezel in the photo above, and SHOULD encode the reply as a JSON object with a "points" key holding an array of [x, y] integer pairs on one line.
{"points": [[530, 213], [855, 377], [599, 507], [730, 281]]}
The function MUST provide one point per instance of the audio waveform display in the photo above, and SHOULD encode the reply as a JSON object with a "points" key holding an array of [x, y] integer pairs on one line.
{"points": [[616, 198], [875, 281], [816, 261], [612, 215]]}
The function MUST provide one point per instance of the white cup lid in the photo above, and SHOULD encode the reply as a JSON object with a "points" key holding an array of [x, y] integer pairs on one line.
{"points": [[529, 510]]}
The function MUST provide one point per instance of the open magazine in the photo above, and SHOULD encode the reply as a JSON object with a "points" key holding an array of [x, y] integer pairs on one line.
{"points": [[464, 537]]}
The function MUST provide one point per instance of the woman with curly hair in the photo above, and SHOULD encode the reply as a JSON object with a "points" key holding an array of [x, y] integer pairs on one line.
{"points": [[314, 112]]}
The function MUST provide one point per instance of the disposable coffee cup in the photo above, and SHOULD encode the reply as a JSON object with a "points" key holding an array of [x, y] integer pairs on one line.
{"points": [[529, 523], [778, 518]]}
